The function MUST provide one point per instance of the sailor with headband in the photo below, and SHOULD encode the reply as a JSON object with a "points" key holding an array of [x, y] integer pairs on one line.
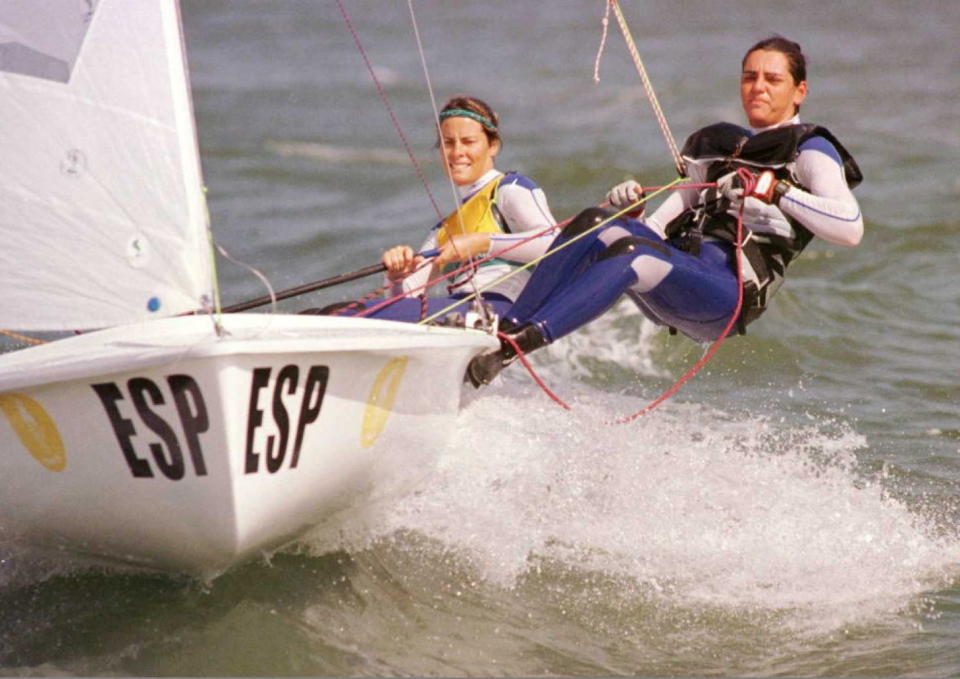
{"points": [[496, 210]]}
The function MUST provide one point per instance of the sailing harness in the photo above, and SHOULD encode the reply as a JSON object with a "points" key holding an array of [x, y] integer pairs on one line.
{"points": [[725, 148]]}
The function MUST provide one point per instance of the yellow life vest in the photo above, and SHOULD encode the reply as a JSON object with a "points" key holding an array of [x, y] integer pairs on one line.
{"points": [[474, 216]]}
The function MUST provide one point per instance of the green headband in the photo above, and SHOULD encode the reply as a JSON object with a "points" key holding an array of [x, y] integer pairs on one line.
{"points": [[464, 113]]}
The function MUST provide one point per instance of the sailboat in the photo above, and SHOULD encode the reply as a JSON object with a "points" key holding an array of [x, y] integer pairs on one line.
{"points": [[161, 432]]}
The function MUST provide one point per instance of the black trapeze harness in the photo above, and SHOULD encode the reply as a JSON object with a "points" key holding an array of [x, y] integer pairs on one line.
{"points": [[724, 148]]}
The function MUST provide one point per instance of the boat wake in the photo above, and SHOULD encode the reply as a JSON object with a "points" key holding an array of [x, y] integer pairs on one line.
{"points": [[689, 508]]}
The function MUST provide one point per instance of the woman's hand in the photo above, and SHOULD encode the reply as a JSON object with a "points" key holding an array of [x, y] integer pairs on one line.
{"points": [[627, 193], [401, 261], [462, 247]]}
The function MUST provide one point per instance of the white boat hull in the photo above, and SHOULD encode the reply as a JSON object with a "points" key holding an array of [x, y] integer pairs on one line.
{"points": [[165, 445]]}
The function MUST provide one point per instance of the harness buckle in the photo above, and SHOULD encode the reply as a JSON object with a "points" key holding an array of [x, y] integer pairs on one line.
{"points": [[481, 317], [691, 239]]}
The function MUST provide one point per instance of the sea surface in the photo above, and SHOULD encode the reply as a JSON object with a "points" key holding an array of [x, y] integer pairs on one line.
{"points": [[793, 510]]}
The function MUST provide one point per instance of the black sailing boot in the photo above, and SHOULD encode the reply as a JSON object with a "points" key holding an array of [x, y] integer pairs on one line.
{"points": [[483, 368]]}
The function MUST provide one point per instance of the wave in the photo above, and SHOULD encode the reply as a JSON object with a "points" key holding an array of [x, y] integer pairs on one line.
{"points": [[336, 154], [692, 506]]}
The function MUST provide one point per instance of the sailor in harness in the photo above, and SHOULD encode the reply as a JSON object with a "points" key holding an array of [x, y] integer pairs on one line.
{"points": [[679, 265]]}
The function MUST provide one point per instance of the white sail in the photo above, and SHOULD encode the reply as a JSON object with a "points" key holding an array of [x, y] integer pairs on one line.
{"points": [[102, 214]]}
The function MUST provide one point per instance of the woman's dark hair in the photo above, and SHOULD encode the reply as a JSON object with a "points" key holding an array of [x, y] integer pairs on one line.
{"points": [[481, 108], [789, 49]]}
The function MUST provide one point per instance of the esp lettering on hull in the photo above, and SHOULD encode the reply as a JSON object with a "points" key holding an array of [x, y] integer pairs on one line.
{"points": [[161, 432], [149, 404], [287, 384]]}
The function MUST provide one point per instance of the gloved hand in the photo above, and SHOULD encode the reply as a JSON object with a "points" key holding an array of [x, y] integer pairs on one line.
{"points": [[625, 194], [730, 186], [763, 189], [760, 216]]}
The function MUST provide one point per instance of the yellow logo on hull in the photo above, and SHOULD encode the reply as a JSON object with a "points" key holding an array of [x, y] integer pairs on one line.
{"points": [[36, 430], [383, 393]]}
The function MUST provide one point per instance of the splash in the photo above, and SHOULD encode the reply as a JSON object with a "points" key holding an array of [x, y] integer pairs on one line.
{"points": [[691, 506], [621, 339]]}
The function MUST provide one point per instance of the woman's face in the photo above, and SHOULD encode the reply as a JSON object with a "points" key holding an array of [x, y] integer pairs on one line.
{"points": [[767, 90], [465, 151]]}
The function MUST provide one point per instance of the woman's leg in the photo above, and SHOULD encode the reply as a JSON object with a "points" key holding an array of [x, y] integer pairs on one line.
{"points": [[628, 259], [582, 289], [697, 296], [556, 271], [694, 294], [596, 282]]}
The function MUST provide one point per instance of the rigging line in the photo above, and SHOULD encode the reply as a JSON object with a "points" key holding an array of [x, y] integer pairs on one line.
{"points": [[22, 338], [406, 294], [648, 88], [386, 103], [548, 253], [533, 373], [213, 306], [487, 318], [255, 272], [603, 42], [409, 294]]}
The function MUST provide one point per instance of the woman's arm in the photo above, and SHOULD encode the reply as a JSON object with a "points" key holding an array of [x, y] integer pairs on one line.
{"points": [[671, 208], [679, 200], [524, 207], [416, 279], [829, 210]]}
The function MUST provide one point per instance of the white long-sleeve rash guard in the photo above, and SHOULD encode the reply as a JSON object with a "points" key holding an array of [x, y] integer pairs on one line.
{"points": [[829, 210], [524, 208]]}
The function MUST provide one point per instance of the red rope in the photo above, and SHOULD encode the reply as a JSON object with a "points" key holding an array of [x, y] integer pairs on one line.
{"points": [[533, 373], [749, 183], [386, 103], [358, 302]]}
